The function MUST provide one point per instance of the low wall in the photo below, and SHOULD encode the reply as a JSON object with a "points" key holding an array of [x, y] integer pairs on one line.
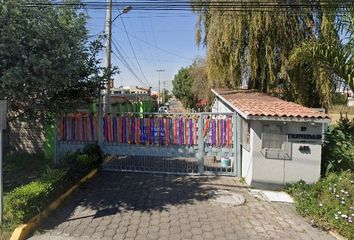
{"points": [[21, 137]]}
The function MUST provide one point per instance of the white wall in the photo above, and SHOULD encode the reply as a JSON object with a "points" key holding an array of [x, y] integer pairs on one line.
{"points": [[220, 107], [305, 166], [246, 165], [261, 171]]}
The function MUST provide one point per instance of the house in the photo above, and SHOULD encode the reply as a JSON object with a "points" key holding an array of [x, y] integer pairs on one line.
{"points": [[130, 90], [280, 140]]}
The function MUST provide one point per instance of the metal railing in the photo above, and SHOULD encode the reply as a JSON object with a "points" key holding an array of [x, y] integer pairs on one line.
{"points": [[206, 147]]}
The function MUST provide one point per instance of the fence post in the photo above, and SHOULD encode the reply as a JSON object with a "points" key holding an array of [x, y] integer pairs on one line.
{"points": [[200, 155], [56, 142]]}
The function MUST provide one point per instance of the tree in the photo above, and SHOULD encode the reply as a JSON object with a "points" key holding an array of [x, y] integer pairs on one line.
{"points": [[165, 95], [191, 84], [251, 47], [201, 85], [182, 86], [47, 64], [337, 57]]}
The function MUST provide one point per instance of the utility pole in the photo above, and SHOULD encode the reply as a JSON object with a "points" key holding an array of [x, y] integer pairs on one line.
{"points": [[108, 66], [158, 99], [164, 91]]}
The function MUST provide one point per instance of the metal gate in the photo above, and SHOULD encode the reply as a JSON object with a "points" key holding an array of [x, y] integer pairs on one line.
{"points": [[179, 143]]}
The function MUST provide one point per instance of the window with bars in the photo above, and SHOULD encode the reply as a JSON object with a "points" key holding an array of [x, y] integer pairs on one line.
{"points": [[275, 142]]}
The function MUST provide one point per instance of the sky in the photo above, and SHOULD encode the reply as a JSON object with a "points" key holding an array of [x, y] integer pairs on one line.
{"points": [[160, 41]]}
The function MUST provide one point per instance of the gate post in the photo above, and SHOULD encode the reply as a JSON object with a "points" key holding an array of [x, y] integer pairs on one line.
{"points": [[237, 144], [200, 153]]}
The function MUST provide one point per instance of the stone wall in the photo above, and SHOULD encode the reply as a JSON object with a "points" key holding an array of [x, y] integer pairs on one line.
{"points": [[22, 137]]}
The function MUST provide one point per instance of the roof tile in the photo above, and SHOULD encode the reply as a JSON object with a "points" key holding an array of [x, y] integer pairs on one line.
{"points": [[255, 103]]}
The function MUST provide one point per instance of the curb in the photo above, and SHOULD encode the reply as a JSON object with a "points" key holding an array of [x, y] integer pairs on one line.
{"points": [[22, 231], [337, 235]]}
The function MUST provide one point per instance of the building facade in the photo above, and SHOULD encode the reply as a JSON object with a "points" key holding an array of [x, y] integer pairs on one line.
{"points": [[280, 141]]}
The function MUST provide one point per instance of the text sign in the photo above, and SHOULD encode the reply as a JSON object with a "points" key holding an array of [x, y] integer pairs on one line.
{"points": [[304, 137], [3, 114]]}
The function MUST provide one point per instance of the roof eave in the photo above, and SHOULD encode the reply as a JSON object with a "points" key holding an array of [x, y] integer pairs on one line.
{"points": [[243, 114], [289, 119]]}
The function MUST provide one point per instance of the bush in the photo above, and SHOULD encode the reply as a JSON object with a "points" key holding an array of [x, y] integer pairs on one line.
{"points": [[329, 203], [95, 151], [26, 201], [338, 147], [80, 163], [339, 98]]}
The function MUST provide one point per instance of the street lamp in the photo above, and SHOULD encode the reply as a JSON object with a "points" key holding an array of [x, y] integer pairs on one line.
{"points": [[124, 11], [109, 22]]}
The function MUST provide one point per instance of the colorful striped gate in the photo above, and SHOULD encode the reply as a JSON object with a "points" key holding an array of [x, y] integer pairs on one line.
{"points": [[192, 143]]}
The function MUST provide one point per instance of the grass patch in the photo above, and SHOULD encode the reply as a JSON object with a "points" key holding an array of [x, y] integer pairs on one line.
{"points": [[329, 203], [20, 169], [335, 111], [26, 201], [29, 194]]}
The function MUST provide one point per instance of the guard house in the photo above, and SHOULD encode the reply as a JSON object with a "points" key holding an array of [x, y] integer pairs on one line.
{"points": [[280, 140]]}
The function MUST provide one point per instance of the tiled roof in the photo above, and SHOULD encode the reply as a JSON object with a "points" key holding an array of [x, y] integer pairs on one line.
{"points": [[253, 103]]}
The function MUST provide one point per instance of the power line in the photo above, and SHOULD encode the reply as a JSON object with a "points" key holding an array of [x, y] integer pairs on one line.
{"points": [[186, 5], [131, 46], [123, 60], [154, 39], [146, 38], [161, 49]]}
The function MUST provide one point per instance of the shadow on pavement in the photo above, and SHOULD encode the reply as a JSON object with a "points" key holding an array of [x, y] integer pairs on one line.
{"points": [[113, 192]]}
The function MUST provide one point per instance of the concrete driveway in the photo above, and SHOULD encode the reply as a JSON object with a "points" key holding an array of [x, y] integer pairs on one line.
{"points": [[145, 206]]}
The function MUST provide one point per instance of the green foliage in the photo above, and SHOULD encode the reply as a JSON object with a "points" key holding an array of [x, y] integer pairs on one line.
{"points": [[182, 86], [191, 84], [26, 201], [95, 151], [338, 147], [81, 163], [20, 169], [333, 57], [47, 64], [339, 99], [329, 203], [255, 48], [40, 187], [166, 95]]}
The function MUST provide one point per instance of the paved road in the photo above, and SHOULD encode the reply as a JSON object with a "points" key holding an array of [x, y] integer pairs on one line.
{"points": [[177, 107], [145, 206]]}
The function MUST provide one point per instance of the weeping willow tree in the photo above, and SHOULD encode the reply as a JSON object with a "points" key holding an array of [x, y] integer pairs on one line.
{"points": [[250, 44]]}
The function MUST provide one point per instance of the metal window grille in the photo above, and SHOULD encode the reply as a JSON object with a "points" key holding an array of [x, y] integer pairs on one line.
{"points": [[275, 143]]}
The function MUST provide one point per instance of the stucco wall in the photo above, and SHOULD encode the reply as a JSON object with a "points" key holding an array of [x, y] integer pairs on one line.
{"points": [[247, 162], [246, 165], [261, 171], [302, 165], [220, 107]]}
